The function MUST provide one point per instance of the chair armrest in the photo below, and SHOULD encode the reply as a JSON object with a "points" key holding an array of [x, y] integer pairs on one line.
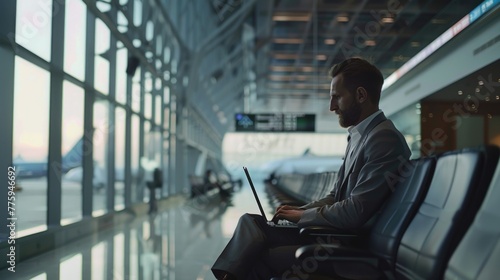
{"points": [[319, 230], [330, 233], [334, 252]]}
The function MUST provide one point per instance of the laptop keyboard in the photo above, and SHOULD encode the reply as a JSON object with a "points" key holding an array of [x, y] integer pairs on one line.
{"points": [[286, 223]]}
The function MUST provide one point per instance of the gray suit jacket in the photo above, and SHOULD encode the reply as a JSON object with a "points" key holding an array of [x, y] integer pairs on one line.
{"points": [[364, 185]]}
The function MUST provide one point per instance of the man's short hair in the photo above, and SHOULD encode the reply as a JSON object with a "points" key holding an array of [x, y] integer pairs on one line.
{"points": [[357, 72]]}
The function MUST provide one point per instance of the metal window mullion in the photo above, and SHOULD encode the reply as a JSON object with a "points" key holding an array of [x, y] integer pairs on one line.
{"points": [[171, 152], [140, 187], [128, 146], [110, 186], [54, 168], [162, 139], [87, 159], [7, 28]]}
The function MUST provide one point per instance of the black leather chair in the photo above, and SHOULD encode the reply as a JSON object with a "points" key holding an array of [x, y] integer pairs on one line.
{"points": [[456, 192], [394, 218], [478, 254], [457, 189]]}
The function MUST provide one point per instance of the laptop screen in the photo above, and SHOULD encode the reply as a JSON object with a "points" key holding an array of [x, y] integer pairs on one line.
{"points": [[255, 193]]}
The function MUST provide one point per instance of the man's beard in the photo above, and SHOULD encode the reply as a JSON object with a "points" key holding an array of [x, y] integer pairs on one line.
{"points": [[351, 115]]}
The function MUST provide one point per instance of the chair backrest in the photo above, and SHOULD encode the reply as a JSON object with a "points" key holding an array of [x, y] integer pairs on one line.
{"points": [[413, 183], [478, 254], [292, 184], [455, 193]]}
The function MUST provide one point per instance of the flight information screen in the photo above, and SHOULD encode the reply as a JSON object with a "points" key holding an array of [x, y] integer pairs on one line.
{"points": [[275, 122]]}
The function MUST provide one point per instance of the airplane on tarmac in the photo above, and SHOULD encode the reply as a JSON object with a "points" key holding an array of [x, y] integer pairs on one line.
{"points": [[30, 169]]}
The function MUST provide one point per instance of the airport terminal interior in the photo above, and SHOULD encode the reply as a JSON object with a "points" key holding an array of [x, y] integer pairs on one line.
{"points": [[126, 123]]}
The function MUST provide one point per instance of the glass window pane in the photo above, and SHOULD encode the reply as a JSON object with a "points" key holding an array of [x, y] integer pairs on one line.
{"points": [[158, 105], [147, 155], [148, 105], [166, 95], [137, 12], [74, 38], [101, 131], [122, 22], [148, 82], [72, 151], [136, 91], [150, 28], [121, 75], [34, 26], [101, 71], [31, 142], [119, 158], [103, 6], [135, 156]]}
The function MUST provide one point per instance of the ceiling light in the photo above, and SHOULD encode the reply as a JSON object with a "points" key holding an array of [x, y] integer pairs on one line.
{"points": [[330, 41], [292, 68], [460, 92], [285, 56], [288, 41], [282, 68], [279, 78], [370, 43], [321, 57], [415, 44], [387, 20], [298, 86], [291, 17], [342, 18]]}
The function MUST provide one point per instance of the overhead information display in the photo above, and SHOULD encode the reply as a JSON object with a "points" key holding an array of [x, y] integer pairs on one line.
{"points": [[275, 122]]}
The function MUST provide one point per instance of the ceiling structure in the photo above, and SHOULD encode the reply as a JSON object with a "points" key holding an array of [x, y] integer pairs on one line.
{"points": [[273, 56], [297, 41]]}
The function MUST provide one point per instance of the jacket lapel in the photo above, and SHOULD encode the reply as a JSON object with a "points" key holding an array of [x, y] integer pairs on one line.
{"points": [[348, 169]]}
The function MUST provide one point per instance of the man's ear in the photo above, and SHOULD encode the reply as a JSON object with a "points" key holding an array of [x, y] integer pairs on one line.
{"points": [[361, 94]]}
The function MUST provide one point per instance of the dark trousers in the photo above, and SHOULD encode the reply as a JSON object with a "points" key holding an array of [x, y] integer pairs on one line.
{"points": [[258, 251]]}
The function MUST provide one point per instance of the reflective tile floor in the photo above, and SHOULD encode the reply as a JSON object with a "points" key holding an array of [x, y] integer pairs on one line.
{"points": [[180, 242]]}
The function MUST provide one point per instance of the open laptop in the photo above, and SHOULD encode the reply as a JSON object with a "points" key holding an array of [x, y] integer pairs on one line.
{"points": [[281, 223]]}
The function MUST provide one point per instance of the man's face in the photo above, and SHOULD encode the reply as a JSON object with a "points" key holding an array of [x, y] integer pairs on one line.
{"points": [[343, 103]]}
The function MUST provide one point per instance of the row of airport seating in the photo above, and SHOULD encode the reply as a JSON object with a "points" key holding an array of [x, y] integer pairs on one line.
{"points": [[298, 189], [441, 222], [200, 187]]}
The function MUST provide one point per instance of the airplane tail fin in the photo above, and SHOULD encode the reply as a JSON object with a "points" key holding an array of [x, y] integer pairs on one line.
{"points": [[73, 158]]}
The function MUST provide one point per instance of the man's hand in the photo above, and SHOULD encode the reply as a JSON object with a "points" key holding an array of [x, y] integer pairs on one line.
{"points": [[287, 212]]}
